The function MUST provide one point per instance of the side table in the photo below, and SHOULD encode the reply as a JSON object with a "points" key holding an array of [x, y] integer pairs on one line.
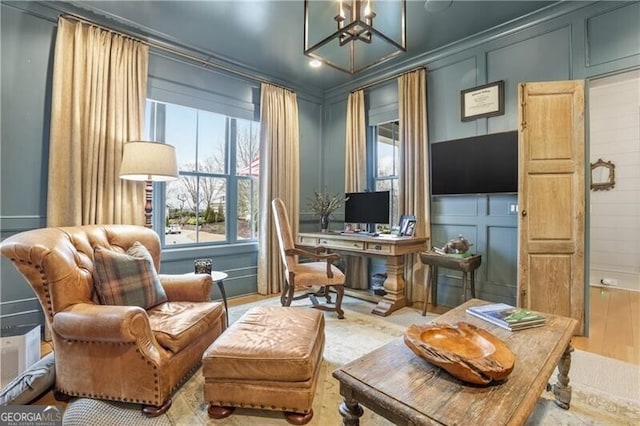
{"points": [[467, 265], [218, 277]]}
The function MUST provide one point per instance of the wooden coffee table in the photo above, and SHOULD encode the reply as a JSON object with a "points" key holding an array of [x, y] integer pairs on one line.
{"points": [[404, 388]]}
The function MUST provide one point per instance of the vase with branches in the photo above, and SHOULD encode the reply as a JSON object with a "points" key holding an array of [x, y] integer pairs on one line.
{"points": [[324, 204]]}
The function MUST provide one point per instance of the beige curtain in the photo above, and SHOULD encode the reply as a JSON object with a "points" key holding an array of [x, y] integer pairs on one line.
{"points": [[414, 170], [355, 178], [99, 93], [279, 177]]}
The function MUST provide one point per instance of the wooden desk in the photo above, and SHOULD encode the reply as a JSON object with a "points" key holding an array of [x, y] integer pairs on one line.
{"points": [[393, 250], [407, 390], [467, 265]]}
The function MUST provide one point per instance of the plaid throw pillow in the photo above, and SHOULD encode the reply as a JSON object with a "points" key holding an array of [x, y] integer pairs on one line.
{"points": [[128, 279]]}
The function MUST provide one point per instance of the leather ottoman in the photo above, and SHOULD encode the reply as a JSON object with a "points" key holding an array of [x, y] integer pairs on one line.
{"points": [[269, 359]]}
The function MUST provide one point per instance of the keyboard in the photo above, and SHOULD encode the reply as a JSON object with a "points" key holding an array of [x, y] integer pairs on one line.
{"points": [[361, 234]]}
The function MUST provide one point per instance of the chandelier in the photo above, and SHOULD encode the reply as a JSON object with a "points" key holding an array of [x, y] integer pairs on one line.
{"points": [[354, 35]]}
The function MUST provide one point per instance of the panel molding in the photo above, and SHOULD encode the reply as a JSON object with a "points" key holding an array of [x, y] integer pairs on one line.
{"points": [[616, 16], [21, 312], [493, 231], [513, 30], [21, 223]]}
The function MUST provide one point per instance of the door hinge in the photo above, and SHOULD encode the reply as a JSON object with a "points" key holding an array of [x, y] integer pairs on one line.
{"points": [[523, 104]]}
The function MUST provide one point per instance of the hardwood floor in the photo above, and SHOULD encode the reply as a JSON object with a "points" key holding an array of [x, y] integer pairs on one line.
{"points": [[614, 324], [614, 327]]}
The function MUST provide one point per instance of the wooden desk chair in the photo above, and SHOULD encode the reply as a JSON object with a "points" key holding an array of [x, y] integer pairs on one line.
{"points": [[307, 275]]}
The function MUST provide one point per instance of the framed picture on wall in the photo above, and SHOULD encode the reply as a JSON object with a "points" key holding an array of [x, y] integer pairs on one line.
{"points": [[482, 101]]}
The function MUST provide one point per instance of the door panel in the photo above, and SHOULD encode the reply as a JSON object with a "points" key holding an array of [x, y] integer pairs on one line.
{"points": [[550, 223], [549, 127], [557, 270], [551, 198]]}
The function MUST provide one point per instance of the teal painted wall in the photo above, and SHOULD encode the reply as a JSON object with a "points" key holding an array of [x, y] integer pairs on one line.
{"points": [[563, 43], [567, 42], [28, 37], [26, 44]]}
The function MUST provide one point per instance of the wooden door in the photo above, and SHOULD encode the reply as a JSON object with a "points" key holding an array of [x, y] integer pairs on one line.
{"points": [[551, 199]]}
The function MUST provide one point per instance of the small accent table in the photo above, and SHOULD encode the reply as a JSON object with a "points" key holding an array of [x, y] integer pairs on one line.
{"points": [[467, 265]]}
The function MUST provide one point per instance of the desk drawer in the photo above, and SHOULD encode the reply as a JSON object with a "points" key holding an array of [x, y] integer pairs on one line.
{"points": [[341, 244], [308, 241], [378, 247]]}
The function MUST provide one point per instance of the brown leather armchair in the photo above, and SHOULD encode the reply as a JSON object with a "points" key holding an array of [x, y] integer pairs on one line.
{"points": [[120, 353]]}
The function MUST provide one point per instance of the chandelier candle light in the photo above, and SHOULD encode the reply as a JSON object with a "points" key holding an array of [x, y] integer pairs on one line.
{"points": [[347, 39], [360, 32], [149, 162]]}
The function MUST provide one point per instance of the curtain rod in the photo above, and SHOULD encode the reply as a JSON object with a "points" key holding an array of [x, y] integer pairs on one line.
{"points": [[385, 79], [174, 50]]}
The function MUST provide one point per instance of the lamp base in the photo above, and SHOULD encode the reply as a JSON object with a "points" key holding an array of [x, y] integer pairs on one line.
{"points": [[148, 192]]}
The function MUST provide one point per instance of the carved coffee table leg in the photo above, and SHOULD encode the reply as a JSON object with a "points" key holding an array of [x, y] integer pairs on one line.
{"points": [[562, 390], [350, 411]]}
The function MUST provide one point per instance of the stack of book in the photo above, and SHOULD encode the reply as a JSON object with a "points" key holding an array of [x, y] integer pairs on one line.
{"points": [[457, 255], [507, 316]]}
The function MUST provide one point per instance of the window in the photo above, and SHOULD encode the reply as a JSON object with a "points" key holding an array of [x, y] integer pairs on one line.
{"points": [[386, 163], [215, 199]]}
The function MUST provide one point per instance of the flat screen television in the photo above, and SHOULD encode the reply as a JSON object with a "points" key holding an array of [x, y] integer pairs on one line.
{"points": [[486, 164], [367, 207]]}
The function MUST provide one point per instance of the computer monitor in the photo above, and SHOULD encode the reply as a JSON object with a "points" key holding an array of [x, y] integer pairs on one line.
{"points": [[367, 207]]}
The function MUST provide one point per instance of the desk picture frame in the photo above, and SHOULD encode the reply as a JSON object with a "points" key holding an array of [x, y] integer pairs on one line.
{"points": [[409, 228], [482, 101], [403, 223]]}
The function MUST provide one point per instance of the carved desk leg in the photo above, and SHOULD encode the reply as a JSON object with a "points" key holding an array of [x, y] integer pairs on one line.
{"points": [[562, 390], [394, 286], [349, 409]]}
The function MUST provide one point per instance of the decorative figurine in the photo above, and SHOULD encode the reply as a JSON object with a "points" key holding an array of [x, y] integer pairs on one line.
{"points": [[458, 245]]}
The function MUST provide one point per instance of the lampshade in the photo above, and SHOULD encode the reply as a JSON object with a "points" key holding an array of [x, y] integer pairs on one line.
{"points": [[154, 161], [354, 35]]}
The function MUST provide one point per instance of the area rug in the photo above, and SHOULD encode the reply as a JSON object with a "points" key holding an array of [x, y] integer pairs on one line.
{"points": [[598, 395]]}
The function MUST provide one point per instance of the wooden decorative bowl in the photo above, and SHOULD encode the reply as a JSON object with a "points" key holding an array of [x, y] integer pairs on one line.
{"points": [[465, 351]]}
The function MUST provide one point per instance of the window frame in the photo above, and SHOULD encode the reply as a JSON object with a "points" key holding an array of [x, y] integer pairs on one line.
{"points": [[157, 132], [372, 166]]}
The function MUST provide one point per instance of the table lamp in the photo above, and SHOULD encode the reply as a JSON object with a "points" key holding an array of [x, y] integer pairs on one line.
{"points": [[149, 162]]}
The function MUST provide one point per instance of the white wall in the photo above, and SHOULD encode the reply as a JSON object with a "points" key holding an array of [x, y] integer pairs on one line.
{"points": [[614, 119]]}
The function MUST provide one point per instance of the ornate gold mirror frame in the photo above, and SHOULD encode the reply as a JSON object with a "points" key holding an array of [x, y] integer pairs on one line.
{"points": [[603, 175]]}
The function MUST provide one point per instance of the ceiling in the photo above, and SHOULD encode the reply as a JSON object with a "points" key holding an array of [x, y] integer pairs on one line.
{"points": [[265, 37]]}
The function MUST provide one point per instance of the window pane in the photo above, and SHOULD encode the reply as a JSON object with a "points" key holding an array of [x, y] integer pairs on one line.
{"points": [[247, 209], [195, 210], [387, 164], [387, 150], [248, 170], [395, 202], [180, 131], [390, 185], [247, 148], [150, 120], [180, 208], [211, 142], [212, 209]]}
